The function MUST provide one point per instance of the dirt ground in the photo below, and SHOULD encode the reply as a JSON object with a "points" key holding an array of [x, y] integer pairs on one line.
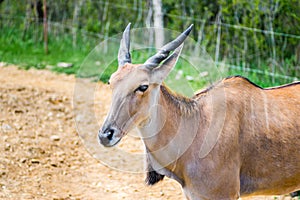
{"points": [[42, 156]]}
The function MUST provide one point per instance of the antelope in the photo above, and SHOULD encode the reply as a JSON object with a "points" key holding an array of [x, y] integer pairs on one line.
{"points": [[231, 140]]}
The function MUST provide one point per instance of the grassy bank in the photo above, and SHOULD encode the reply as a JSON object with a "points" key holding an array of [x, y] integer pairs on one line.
{"points": [[26, 50]]}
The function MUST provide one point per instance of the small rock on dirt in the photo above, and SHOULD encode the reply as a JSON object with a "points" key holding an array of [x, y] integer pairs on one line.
{"points": [[49, 67], [7, 147], [6, 127], [64, 65], [3, 64], [55, 138], [35, 161], [53, 164]]}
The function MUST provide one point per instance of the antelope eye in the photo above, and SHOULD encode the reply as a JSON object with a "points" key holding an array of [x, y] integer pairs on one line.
{"points": [[142, 88]]}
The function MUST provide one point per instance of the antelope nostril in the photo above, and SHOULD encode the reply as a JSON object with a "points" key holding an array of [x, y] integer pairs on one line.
{"points": [[110, 134]]}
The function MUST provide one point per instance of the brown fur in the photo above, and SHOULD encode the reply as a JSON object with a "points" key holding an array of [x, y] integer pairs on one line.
{"points": [[185, 105], [230, 140], [122, 72], [257, 152]]}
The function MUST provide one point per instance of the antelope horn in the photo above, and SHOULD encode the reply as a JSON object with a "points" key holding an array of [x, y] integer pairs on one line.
{"points": [[164, 51], [124, 54]]}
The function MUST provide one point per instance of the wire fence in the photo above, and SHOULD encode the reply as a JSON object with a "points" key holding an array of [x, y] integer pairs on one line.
{"points": [[239, 56], [234, 26]]}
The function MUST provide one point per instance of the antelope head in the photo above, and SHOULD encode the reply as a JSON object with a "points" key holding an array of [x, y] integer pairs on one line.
{"points": [[136, 87]]}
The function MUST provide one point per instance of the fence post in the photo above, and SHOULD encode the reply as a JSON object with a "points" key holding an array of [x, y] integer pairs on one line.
{"points": [[45, 27], [219, 35]]}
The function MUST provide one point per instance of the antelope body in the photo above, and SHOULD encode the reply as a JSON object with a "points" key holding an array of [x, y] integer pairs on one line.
{"points": [[231, 140]]}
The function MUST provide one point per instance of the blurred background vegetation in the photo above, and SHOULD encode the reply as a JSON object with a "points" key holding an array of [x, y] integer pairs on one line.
{"points": [[257, 39]]}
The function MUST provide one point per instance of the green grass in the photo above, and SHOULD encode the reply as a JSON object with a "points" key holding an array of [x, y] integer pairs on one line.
{"points": [[28, 51]]}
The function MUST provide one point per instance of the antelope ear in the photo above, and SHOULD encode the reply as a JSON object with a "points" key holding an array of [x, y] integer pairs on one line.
{"points": [[161, 72]]}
